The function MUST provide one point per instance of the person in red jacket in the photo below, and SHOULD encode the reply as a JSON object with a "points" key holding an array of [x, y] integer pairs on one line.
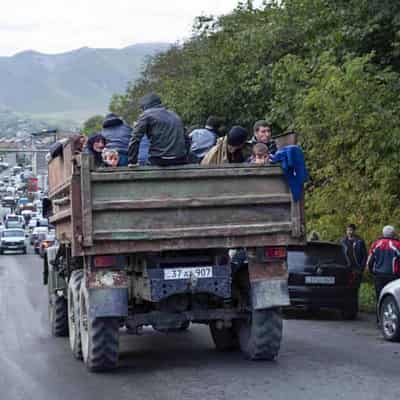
{"points": [[384, 259]]}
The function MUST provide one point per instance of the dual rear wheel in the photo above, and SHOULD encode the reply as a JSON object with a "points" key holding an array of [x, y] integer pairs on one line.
{"points": [[95, 340], [258, 337]]}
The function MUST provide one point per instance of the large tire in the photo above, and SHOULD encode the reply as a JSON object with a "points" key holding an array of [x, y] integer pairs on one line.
{"points": [[225, 339], [58, 315], [260, 336], [99, 337], [74, 286], [390, 319]]}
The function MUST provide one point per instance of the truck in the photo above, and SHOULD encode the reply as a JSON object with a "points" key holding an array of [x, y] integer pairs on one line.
{"points": [[151, 246]]}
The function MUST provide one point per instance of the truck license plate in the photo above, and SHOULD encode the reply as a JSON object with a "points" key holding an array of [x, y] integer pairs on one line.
{"points": [[320, 280], [187, 273]]}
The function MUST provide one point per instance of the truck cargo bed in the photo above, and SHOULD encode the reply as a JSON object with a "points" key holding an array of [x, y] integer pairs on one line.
{"points": [[114, 210]]}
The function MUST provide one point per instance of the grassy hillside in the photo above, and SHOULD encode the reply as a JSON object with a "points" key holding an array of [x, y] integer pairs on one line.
{"points": [[77, 82]]}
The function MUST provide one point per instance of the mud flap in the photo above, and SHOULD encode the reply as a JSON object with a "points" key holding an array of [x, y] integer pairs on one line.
{"points": [[268, 282], [269, 293], [108, 293], [108, 302]]}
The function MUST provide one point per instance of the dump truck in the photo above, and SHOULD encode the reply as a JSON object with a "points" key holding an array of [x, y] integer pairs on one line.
{"points": [[152, 247]]}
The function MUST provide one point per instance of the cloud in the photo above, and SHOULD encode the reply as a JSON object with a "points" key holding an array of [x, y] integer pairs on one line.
{"points": [[10, 27], [60, 25]]}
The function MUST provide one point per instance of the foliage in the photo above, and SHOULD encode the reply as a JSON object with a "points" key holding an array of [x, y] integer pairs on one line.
{"points": [[93, 125], [367, 298], [327, 68]]}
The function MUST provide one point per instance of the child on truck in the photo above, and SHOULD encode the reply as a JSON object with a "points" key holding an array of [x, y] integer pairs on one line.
{"points": [[111, 157], [260, 154]]}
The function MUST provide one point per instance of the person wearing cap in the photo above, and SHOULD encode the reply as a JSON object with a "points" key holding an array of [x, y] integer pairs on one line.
{"points": [[165, 131], [229, 149], [384, 259], [203, 139]]}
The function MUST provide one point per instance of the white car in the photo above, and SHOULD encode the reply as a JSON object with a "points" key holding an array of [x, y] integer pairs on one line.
{"points": [[388, 311], [12, 240]]}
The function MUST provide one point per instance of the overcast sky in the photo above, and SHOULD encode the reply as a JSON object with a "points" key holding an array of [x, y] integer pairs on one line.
{"points": [[53, 26]]}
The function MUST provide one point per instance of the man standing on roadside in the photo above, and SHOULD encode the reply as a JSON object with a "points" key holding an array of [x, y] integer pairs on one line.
{"points": [[354, 248], [384, 259]]}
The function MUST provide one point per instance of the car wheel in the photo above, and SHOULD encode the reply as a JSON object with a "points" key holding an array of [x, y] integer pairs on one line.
{"points": [[390, 319]]}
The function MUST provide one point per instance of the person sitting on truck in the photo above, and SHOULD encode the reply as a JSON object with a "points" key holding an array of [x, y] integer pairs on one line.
{"points": [[165, 131], [111, 158], [263, 134], [95, 146], [233, 148], [260, 154], [117, 134], [203, 139]]}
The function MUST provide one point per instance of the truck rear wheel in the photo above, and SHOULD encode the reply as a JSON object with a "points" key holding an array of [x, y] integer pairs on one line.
{"points": [[260, 336], [225, 339], [74, 286], [58, 315], [99, 337]]}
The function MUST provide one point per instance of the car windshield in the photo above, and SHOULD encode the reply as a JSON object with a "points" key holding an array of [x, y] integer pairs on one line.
{"points": [[13, 224], [13, 233], [13, 218], [36, 231]]}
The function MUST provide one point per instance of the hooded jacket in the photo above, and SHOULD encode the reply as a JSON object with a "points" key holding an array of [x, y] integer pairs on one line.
{"points": [[202, 140], [384, 256], [116, 133], [219, 154], [163, 128]]}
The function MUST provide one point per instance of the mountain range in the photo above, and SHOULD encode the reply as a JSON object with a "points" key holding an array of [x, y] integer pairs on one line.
{"points": [[75, 84]]}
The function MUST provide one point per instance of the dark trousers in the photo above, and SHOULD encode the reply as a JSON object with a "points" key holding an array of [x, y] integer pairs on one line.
{"points": [[166, 162], [381, 280]]}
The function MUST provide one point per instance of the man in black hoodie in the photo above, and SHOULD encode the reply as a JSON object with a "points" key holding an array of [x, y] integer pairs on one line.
{"points": [[165, 131]]}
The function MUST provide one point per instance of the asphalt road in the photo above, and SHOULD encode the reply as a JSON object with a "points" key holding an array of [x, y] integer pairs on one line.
{"points": [[320, 359]]}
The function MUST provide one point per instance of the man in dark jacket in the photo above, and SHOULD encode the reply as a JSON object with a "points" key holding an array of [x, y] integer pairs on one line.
{"points": [[164, 130], [384, 259], [354, 248], [117, 135]]}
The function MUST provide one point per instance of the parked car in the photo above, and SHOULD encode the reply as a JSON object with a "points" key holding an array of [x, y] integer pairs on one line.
{"points": [[388, 311], [320, 277], [35, 233], [12, 240], [47, 242]]}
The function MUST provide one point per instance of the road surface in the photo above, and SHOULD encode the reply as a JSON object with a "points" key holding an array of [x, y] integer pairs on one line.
{"points": [[320, 359]]}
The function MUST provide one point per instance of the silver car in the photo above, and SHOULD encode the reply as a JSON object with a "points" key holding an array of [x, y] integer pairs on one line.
{"points": [[388, 311]]}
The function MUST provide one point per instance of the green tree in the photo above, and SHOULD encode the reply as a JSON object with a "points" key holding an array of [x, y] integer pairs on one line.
{"points": [[93, 125]]}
